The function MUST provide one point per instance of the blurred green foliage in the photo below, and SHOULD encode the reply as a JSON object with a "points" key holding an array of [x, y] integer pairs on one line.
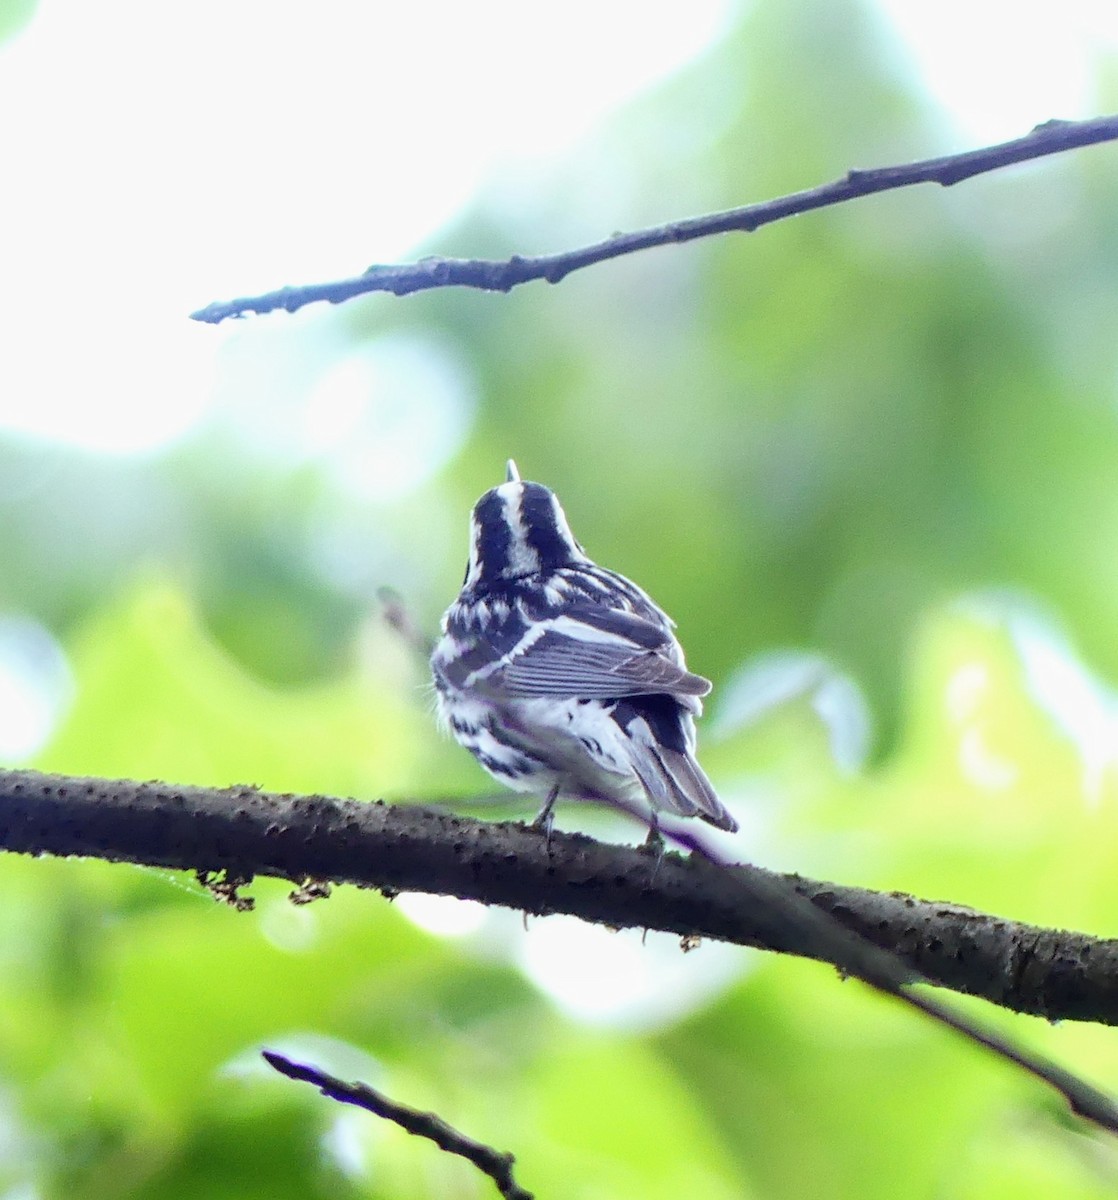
{"points": [[14, 15], [885, 433]]}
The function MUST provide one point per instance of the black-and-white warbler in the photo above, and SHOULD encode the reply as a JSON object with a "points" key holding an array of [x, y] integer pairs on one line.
{"points": [[563, 678]]}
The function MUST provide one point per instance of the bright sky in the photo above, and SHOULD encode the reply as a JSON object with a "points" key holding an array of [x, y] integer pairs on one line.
{"points": [[999, 67], [161, 156], [168, 155]]}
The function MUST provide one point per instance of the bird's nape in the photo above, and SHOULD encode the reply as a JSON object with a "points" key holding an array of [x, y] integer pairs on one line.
{"points": [[518, 529]]}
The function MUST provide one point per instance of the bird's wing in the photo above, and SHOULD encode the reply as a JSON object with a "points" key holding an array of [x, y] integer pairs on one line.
{"points": [[596, 654]]}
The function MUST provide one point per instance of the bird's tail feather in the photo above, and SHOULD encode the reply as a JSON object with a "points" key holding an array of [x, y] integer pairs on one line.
{"points": [[674, 781]]}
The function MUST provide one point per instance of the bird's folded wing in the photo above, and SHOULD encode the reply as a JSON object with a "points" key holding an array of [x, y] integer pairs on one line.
{"points": [[575, 658]]}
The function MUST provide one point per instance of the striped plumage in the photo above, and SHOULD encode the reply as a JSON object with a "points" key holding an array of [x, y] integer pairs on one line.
{"points": [[563, 678]]}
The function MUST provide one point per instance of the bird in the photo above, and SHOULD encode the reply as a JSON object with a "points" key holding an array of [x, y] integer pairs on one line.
{"points": [[563, 678]]}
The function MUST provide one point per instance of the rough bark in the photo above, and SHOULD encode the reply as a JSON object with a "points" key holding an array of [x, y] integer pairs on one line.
{"points": [[242, 832]]}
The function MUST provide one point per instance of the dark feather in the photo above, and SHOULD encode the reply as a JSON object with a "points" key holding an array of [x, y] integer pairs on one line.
{"points": [[627, 625], [558, 665], [668, 771]]}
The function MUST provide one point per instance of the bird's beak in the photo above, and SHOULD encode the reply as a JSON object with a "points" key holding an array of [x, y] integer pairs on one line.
{"points": [[512, 475]]}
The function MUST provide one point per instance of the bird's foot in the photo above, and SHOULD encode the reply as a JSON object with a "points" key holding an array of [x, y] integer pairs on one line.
{"points": [[545, 818], [654, 844]]}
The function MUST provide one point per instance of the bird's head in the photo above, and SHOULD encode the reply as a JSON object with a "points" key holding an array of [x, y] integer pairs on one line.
{"points": [[517, 530]]}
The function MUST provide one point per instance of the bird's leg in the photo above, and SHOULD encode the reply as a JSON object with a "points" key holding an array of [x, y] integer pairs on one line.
{"points": [[654, 842], [545, 818]]}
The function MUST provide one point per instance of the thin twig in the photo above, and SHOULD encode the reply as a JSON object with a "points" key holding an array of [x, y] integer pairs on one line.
{"points": [[885, 972], [491, 1162], [400, 620], [1053, 137]]}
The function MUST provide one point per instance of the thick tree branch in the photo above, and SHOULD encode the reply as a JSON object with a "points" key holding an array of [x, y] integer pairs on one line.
{"points": [[242, 832], [430, 1125], [230, 835], [1052, 137]]}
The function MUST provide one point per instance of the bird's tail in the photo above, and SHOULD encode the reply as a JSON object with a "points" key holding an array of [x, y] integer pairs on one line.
{"points": [[674, 781]]}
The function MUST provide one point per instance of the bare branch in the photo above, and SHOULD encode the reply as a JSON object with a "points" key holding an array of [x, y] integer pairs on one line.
{"points": [[492, 1162], [243, 832], [1053, 137], [229, 835], [885, 972]]}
